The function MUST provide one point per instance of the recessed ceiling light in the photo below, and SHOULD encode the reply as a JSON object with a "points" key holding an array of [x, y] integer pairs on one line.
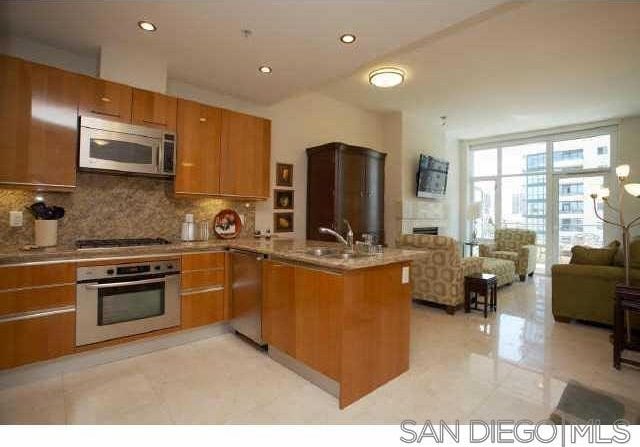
{"points": [[387, 77], [348, 38], [265, 69], [147, 26]]}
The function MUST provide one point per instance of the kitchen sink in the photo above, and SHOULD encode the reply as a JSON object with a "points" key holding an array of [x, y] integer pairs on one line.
{"points": [[323, 251], [335, 253]]}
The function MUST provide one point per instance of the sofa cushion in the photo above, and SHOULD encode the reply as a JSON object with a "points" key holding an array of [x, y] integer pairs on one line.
{"points": [[594, 256]]}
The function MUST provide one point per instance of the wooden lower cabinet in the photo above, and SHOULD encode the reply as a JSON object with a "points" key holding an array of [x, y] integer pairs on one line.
{"points": [[352, 327], [301, 314], [203, 289], [201, 308], [278, 306], [35, 339]]}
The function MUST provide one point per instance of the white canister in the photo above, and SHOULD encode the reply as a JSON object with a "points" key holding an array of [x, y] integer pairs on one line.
{"points": [[46, 232]]}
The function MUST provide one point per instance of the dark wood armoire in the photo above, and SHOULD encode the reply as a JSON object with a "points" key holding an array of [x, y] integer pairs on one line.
{"points": [[345, 182]]}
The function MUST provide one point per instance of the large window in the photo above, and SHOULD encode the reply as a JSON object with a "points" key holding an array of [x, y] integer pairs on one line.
{"points": [[536, 184]]}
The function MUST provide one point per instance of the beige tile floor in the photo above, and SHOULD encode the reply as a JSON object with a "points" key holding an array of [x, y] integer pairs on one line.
{"points": [[514, 365]]}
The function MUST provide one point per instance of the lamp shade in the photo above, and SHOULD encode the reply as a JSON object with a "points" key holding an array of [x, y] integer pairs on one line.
{"points": [[474, 210], [623, 170], [604, 193], [633, 189]]}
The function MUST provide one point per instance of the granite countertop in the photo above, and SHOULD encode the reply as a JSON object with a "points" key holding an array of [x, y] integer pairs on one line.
{"points": [[293, 250]]}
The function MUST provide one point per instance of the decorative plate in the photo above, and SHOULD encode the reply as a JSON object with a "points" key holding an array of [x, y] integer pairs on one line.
{"points": [[227, 224]]}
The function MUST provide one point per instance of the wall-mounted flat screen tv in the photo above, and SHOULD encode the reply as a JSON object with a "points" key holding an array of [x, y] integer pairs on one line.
{"points": [[431, 178]]}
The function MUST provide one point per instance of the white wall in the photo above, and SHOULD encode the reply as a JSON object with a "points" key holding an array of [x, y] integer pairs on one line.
{"points": [[48, 55], [127, 65], [392, 143], [306, 121], [629, 153], [419, 136]]}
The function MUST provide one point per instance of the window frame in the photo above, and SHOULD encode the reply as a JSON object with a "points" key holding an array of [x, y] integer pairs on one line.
{"points": [[549, 173]]}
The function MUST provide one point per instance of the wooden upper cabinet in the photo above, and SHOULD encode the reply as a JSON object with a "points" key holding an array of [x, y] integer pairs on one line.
{"points": [[105, 99], [198, 169], [39, 124], [154, 109], [245, 155]]}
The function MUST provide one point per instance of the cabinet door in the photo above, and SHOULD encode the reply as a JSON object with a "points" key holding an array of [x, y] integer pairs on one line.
{"points": [[105, 99], [352, 200], [321, 194], [33, 339], [201, 308], [154, 109], [198, 170], [373, 221], [278, 306], [39, 125], [245, 155]]}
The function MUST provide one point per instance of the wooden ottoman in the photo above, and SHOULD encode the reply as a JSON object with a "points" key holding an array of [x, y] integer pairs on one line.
{"points": [[504, 269]]}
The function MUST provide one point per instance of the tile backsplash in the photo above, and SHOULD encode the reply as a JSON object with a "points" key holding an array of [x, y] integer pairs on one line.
{"points": [[111, 206]]}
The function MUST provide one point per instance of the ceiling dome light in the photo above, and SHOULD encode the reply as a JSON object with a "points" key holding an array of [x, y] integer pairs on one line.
{"points": [[147, 26], [265, 69], [348, 38], [386, 77]]}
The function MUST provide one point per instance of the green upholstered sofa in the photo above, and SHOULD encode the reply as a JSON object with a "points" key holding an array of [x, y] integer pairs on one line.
{"points": [[586, 292]]}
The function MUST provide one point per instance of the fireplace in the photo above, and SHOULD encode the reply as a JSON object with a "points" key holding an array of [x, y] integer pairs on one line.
{"points": [[433, 231]]}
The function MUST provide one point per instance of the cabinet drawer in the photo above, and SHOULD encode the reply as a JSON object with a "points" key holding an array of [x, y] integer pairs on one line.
{"points": [[37, 275], [200, 261], [36, 339], [25, 300], [202, 308], [202, 278]]}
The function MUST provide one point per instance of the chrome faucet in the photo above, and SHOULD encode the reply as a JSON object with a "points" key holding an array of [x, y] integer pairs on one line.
{"points": [[348, 241]]}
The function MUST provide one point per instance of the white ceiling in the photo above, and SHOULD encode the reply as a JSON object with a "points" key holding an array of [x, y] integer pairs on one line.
{"points": [[525, 67], [203, 44]]}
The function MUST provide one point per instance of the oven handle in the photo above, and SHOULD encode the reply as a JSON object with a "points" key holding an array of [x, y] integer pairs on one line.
{"points": [[127, 283]]}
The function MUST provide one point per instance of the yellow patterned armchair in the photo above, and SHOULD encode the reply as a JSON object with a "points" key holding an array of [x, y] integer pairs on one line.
{"points": [[515, 245], [439, 277]]}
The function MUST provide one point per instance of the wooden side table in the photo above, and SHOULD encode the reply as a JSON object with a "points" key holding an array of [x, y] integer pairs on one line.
{"points": [[481, 284], [627, 300]]}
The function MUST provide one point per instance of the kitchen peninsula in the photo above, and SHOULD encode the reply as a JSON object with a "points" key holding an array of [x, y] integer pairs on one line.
{"points": [[341, 323]]}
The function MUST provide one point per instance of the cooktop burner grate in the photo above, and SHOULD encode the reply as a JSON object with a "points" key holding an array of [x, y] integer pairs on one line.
{"points": [[108, 243]]}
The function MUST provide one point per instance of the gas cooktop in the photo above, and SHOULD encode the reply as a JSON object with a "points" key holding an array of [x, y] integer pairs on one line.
{"points": [[109, 243]]}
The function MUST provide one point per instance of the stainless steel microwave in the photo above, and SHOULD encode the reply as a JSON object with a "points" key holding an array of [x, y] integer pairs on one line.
{"points": [[126, 148]]}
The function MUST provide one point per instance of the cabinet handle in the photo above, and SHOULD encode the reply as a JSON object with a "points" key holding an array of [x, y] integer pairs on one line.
{"points": [[105, 99], [100, 112], [202, 290], [203, 120], [37, 314], [154, 122]]}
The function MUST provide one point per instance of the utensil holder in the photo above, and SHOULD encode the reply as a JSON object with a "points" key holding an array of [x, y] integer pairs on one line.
{"points": [[46, 233]]}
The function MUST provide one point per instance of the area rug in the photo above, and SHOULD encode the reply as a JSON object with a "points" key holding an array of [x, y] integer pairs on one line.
{"points": [[582, 405]]}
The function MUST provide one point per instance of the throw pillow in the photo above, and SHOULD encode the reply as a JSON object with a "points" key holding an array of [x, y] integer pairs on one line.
{"points": [[594, 256]]}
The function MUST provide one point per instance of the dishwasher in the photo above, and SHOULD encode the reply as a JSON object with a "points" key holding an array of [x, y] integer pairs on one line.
{"points": [[246, 294]]}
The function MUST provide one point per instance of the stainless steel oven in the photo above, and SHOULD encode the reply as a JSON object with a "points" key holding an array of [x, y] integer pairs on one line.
{"points": [[115, 301], [126, 148]]}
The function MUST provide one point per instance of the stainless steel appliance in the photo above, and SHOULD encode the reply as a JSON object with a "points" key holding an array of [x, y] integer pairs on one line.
{"points": [[110, 243], [126, 299], [246, 294], [126, 148]]}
